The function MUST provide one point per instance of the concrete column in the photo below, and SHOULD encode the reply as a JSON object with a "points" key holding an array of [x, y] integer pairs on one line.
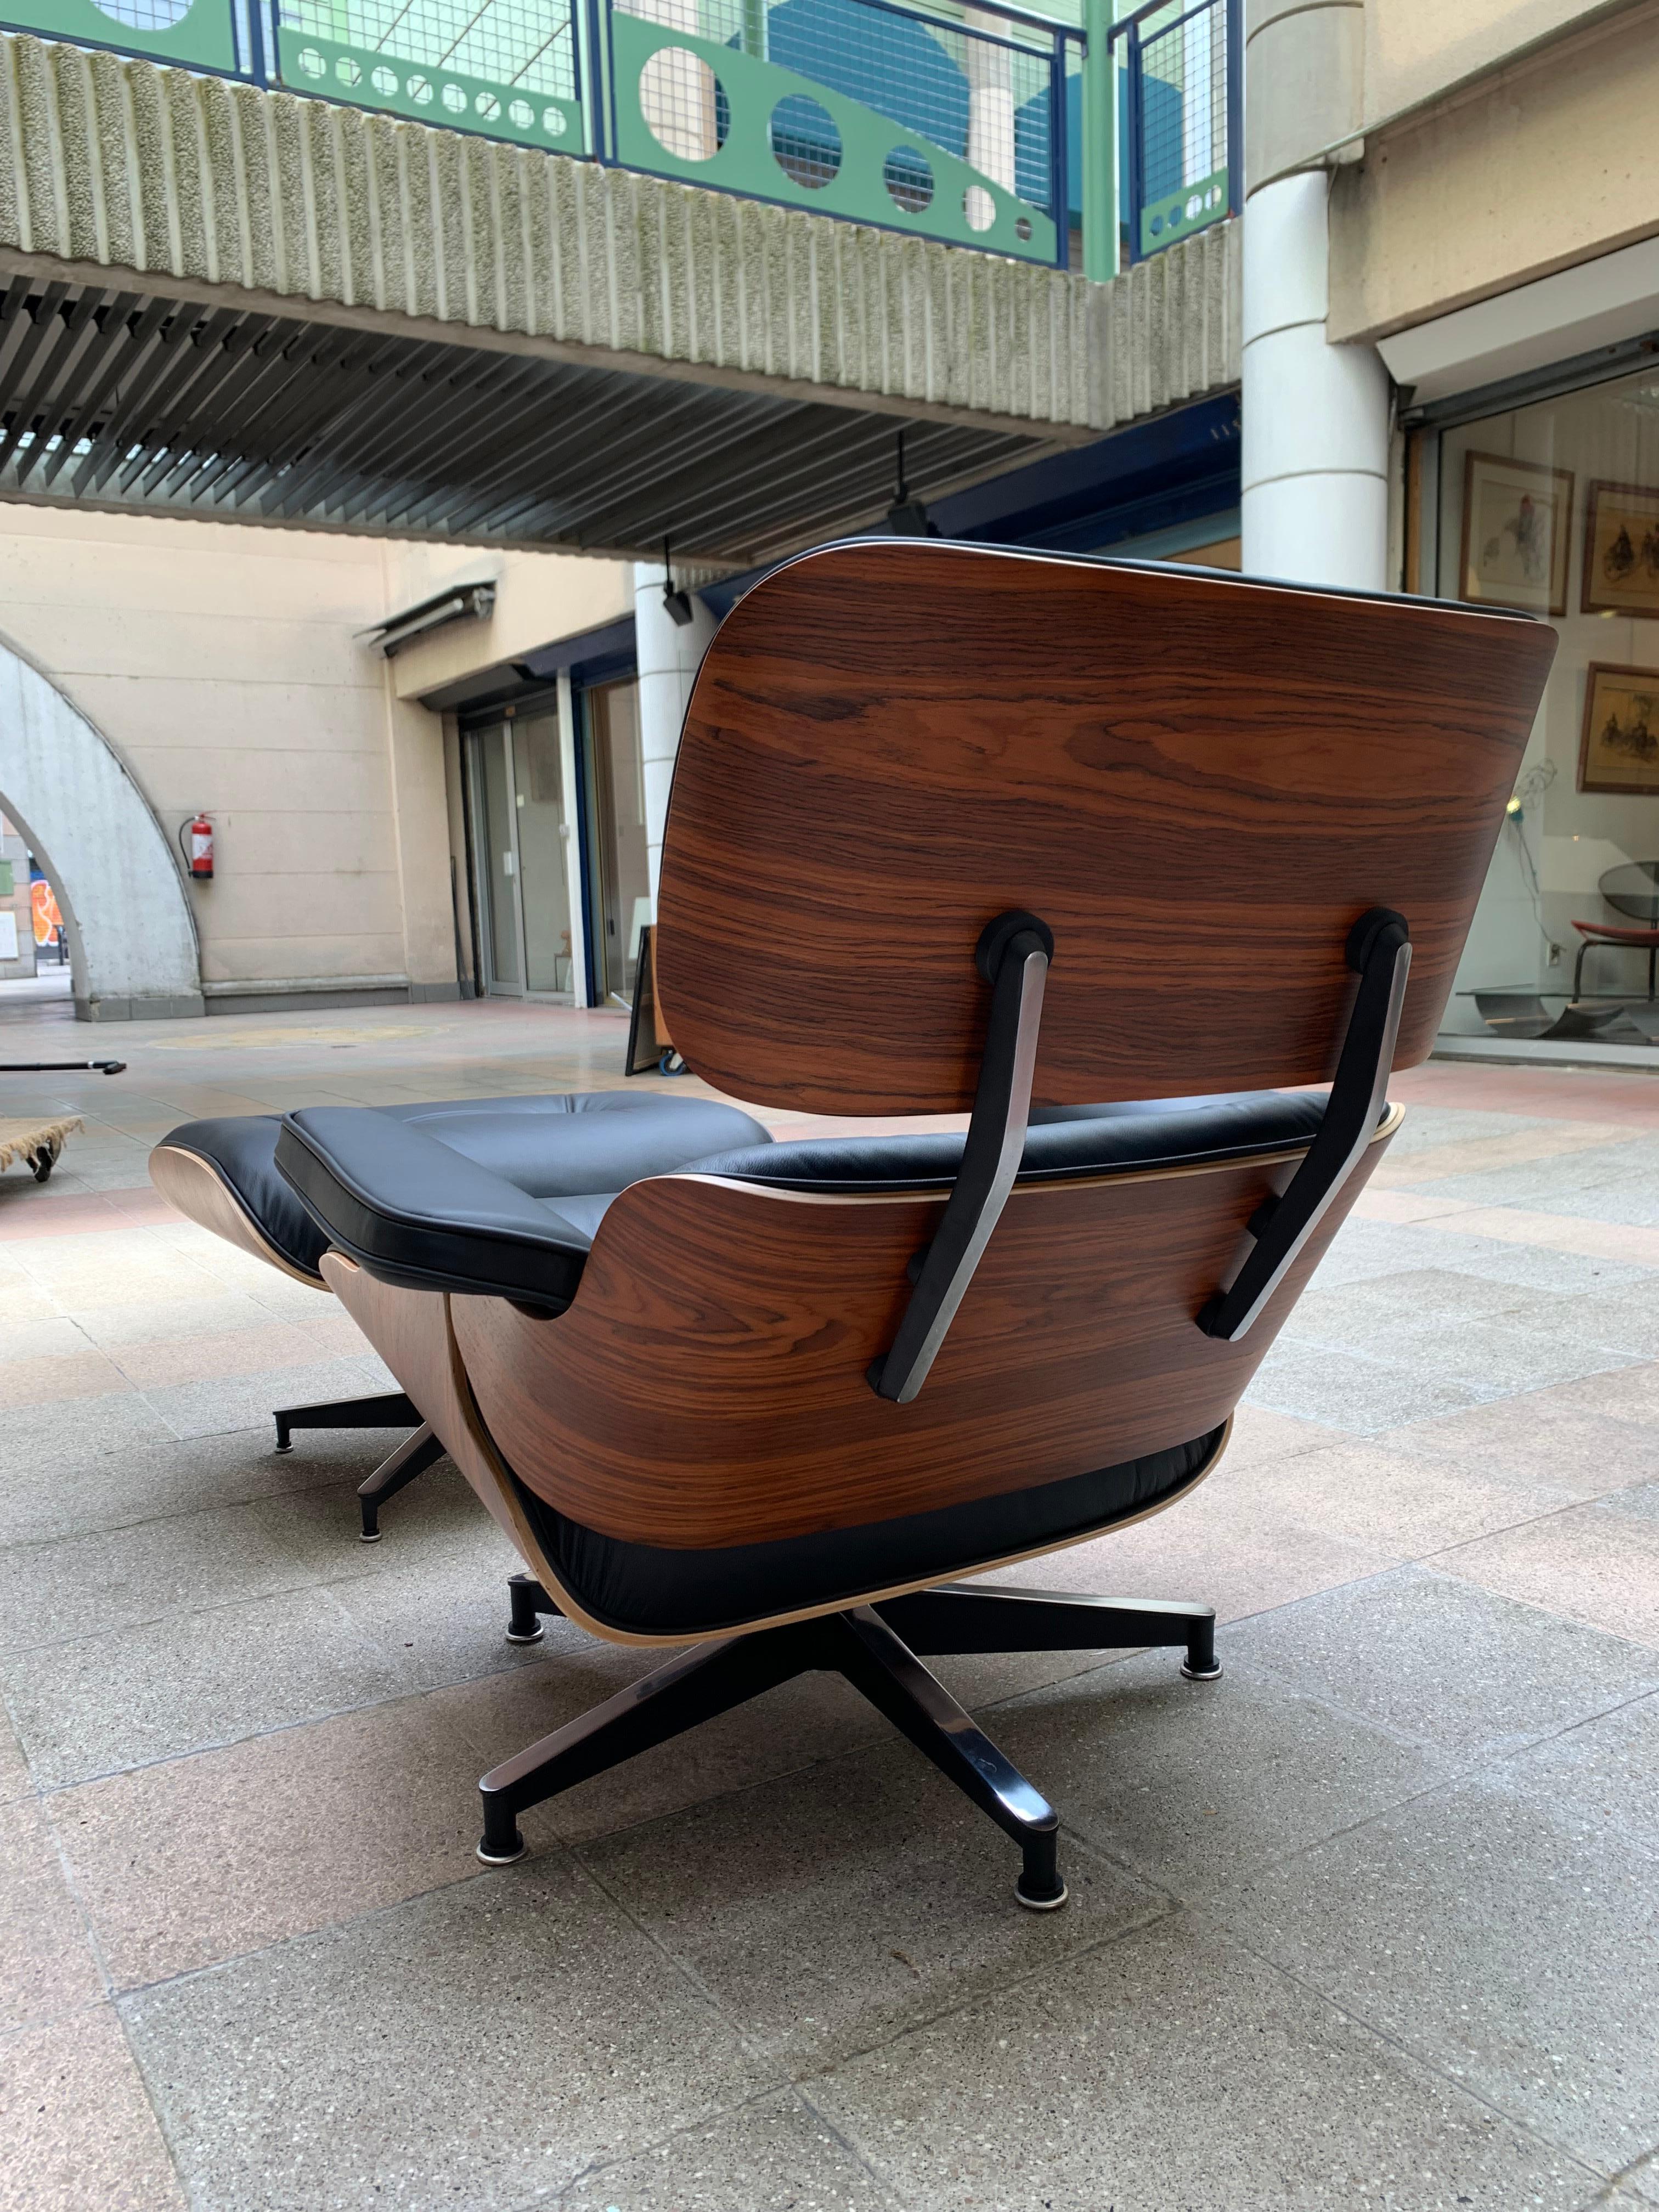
{"points": [[1315, 457], [669, 655], [1315, 447]]}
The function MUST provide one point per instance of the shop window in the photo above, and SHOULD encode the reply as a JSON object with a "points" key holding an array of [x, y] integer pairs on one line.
{"points": [[1555, 508]]}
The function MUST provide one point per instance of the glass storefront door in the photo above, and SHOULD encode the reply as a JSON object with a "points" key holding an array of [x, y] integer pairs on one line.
{"points": [[546, 858], [622, 888], [1553, 506], [523, 839]]}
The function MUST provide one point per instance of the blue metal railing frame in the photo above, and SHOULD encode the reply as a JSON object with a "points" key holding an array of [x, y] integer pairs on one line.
{"points": [[1129, 28]]}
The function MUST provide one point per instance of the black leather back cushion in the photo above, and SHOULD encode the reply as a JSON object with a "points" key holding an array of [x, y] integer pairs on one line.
{"points": [[1069, 1140]]}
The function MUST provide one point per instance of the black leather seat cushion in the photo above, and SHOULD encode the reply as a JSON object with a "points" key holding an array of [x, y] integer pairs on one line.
{"points": [[413, 1208], [567, 1147], [500, 1196], [642, 1588]]}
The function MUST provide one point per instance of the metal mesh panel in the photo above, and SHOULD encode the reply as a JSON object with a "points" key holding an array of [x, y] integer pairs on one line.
{"points": [[979, 87], [1183, 115], [684, 104], [145, 15], [524, 43]]}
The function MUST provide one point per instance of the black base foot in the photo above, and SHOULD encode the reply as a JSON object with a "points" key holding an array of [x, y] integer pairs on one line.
{"points": [[412, 1457], [526, 1599], [386, 1409], [875, 1649]]}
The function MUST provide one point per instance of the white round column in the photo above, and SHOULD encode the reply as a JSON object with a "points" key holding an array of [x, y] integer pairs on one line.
{"points": [[669, 654], [1314, 445]]}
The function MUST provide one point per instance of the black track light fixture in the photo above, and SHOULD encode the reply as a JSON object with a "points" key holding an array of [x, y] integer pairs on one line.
{"points": [[676, 604], [906, 517]]}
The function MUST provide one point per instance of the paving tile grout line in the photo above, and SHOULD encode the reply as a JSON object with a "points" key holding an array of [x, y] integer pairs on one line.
{"points": [[602, 2167], [13, 1544], [1594, 2174], [1166, 1907]]}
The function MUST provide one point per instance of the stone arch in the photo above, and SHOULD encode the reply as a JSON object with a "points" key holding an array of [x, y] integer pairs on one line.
{"points": [[132, 937]]}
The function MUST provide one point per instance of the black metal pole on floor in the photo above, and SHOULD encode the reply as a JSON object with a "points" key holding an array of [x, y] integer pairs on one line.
{"points": [[60, 1067]]}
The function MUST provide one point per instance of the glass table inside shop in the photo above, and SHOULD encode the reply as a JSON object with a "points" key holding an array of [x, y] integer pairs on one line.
{"points": [[1523, 1010]]}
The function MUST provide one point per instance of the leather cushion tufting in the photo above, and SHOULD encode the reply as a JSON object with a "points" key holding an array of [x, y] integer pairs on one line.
{"points": [[492, 1196]]}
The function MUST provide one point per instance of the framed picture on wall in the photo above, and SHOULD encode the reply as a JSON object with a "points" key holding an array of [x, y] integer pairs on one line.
{"points": [[1619, 748], [1622, 550], [1517, 524]]}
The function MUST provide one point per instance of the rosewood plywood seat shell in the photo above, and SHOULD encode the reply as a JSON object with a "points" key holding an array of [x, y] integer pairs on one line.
{"points": [[719, 1396]]}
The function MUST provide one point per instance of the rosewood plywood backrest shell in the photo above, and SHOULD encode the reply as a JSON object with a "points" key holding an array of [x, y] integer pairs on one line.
{"points": [[1199, 783]]}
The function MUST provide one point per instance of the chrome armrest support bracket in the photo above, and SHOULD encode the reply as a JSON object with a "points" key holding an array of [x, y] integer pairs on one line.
{"points": [[1379, 948], [1012, 956]]}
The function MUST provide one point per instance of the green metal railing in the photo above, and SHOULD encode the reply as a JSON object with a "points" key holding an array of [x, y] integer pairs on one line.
{"points": [[986, 126]]}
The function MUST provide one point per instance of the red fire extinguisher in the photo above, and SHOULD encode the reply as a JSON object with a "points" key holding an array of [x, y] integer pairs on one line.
{"points": [[196, 843]]}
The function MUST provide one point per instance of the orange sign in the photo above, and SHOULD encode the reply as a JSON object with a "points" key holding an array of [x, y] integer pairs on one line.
{"points": [[47, 920]]}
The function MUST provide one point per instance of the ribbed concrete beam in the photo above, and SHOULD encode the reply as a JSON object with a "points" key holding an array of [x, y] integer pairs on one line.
{"points": [[212, 190]]}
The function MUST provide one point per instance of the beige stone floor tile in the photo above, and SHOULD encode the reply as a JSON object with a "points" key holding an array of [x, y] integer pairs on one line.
{"points": [[1563, 1436], [771, 2155], [328, 1331], [15, 1778], [289, 1300], [46, 1964], [1388, 1498], [157, 1364], [43, 1337], [204, 1858], [1404, 1206], [149, 1321], [78, 2131], [1172, 2071], [23, 1300], [1550, 1141], [1591, 1563], [1629, 1394], [102, 1582], [1554, 1436], [477, 2048], [1208, 1549], [229, 1264], [82, 1282], [1259, 1433], [46, 1382], [1561, 1232]]}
